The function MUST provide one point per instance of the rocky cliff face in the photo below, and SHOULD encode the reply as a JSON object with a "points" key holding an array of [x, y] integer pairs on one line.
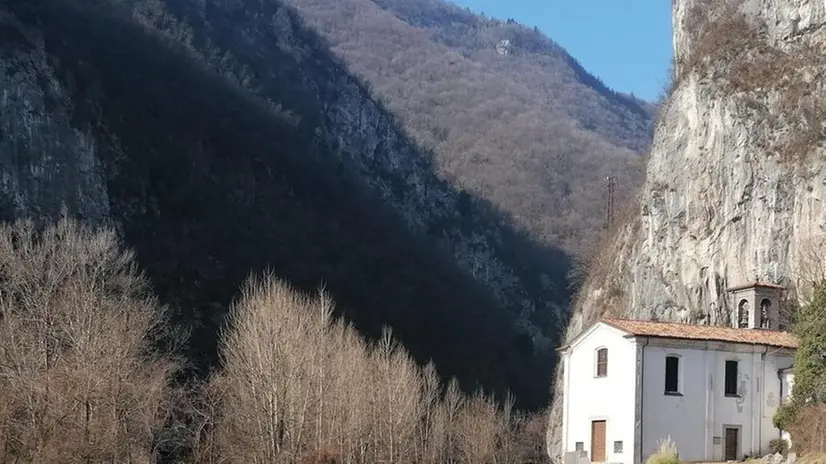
{"points": [[47, 165], [735, 185]]}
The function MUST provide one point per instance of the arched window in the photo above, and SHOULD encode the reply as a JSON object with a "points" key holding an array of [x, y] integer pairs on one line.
{"points": [[743, 314], [602, 362], [765, 310]]}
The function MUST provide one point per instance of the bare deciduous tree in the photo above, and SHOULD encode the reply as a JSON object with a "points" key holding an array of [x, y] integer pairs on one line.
{"points": [[79, 378], [297, 385], [810, 267]]}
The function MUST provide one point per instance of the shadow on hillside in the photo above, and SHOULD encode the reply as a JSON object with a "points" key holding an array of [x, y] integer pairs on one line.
{"points": [[207, 184]]}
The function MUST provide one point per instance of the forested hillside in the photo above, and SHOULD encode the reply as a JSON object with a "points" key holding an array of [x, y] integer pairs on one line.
{"points": [[223, 138], [511, 116]]}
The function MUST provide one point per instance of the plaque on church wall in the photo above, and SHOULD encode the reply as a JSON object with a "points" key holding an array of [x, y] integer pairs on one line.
{"points": [[717, 440]]}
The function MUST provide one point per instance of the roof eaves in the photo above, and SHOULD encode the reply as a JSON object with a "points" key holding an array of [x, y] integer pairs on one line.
{"points": [[585, 332], [712, 339], [754, 284]]}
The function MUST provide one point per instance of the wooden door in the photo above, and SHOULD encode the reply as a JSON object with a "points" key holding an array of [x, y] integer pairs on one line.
{"points": [[732, 443], [598, 441]]}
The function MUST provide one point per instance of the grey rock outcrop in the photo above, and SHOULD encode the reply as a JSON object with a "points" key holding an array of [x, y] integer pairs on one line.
{"points": [[778, 458], [735, 185], [46, 165]]}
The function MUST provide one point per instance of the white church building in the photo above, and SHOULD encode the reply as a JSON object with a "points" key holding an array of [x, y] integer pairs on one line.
{"points": [[712, 389]]}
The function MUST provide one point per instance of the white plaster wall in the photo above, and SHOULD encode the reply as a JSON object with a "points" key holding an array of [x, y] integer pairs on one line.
{"points": [[610, 398], [788, 384], [773, 396], [683, 418], [703, 411]]}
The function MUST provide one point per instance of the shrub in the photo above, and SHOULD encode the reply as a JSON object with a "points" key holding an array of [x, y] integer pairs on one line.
{"points": [[810, 358], [666, 453], [805, 415], [779, 445], [813, 458], [784, 416]]}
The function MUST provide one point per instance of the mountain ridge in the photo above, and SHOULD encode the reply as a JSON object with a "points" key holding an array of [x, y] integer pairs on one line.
{"points": [[502, 106], [521, 39]]}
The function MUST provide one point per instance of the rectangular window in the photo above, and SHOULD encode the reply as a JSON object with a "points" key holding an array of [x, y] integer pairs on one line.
{"points": [[672, 374], [580, 446], [731, 378], [602, 362], [617, 447]]}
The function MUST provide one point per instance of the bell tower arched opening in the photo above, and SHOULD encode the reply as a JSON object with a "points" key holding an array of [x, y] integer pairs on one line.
{"points": [[755, 306]]}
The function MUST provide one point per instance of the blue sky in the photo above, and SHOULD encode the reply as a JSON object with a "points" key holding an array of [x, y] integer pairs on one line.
{"points": [[626, 43]]}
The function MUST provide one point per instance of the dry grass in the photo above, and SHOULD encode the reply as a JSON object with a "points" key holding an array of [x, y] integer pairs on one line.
{"points": [[809, 431], [78, 380], [719, 34], [666, 453], [813, 458], [300, 386]]}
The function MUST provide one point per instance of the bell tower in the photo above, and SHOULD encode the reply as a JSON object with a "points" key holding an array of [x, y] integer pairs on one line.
{"points": [[756, 306]]}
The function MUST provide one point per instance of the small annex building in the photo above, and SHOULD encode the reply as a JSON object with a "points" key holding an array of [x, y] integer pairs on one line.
{"points": [[713, 390]]}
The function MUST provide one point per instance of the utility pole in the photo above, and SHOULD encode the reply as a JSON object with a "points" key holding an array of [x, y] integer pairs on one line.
{"points": [[609, 207]]}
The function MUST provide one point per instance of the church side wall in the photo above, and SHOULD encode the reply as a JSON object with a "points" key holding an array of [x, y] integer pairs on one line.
{"points": [[683, 417], [697, 419]]}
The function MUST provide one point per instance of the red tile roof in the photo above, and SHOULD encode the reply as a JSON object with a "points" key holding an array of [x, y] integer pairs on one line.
{"points": [[704, 332]]}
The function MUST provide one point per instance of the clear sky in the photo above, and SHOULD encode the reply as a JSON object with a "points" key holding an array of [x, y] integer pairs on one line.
{"points": [[626, 43]]}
